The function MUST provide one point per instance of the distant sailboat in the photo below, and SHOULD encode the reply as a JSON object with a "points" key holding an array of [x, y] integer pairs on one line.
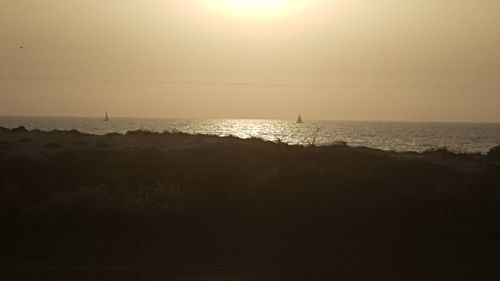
{"points": [[299, 119], [106, 118]]}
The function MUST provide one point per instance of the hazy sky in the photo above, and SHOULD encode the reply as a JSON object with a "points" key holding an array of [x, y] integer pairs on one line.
{"points": [[332, 59]]}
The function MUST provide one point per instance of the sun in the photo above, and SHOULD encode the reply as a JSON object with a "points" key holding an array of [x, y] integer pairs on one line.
{"points": [[254, 9], [253, 4]]}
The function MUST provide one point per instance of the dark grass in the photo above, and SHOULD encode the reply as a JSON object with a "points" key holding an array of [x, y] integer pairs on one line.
{"points": [[273, 209], [248, 184]]}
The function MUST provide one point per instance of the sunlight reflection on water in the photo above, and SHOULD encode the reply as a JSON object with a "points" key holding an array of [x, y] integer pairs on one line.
{"points": [[398, 136]]}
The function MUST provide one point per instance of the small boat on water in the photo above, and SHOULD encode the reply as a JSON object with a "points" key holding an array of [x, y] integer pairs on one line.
{"points": [[299, 119], [106, 118]]}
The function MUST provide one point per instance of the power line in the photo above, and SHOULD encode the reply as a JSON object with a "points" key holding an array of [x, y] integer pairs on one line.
{"points": [[250, 84]]}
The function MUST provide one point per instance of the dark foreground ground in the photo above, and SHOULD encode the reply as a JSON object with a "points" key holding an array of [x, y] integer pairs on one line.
{"points": [[150, 206]]}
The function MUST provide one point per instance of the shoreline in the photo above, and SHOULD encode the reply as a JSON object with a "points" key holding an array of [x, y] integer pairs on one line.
{"points": [[388, 136], [140, 132]]}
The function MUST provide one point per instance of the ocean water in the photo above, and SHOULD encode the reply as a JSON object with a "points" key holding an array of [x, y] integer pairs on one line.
{"points": [[397, 136]]}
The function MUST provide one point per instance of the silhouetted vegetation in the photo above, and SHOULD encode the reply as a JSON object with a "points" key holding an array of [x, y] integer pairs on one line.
{"points": [[245, 182], [53, 145], [6, 145], [19, 129], [233, 190], [494, 153]]}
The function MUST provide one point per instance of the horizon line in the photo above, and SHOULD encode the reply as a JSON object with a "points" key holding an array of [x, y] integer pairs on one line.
{"points": [[252, 84], [243, 118]]}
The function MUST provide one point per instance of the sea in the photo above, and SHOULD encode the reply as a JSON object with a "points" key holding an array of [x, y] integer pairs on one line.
{"points": [[392, 136]]}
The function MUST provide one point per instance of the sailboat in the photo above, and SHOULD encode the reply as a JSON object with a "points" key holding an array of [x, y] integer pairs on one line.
{"points": [[299, 119], [106, 118]]}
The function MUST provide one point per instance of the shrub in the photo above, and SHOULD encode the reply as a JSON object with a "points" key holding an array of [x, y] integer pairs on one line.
{"points": [[19, 129], [494, 153]]}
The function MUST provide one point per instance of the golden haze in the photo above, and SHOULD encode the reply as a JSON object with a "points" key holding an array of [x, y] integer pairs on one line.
{"points": [[341, 59]]}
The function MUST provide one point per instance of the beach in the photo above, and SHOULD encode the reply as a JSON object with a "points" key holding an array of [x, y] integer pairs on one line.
{"points": [[174, 206]]}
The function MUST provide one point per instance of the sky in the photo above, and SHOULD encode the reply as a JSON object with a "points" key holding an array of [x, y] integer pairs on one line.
{"points": [[414, 60]]}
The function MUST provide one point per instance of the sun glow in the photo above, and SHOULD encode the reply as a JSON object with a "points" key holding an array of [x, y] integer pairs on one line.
{"points": [[256, 9], [253, 4]]}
